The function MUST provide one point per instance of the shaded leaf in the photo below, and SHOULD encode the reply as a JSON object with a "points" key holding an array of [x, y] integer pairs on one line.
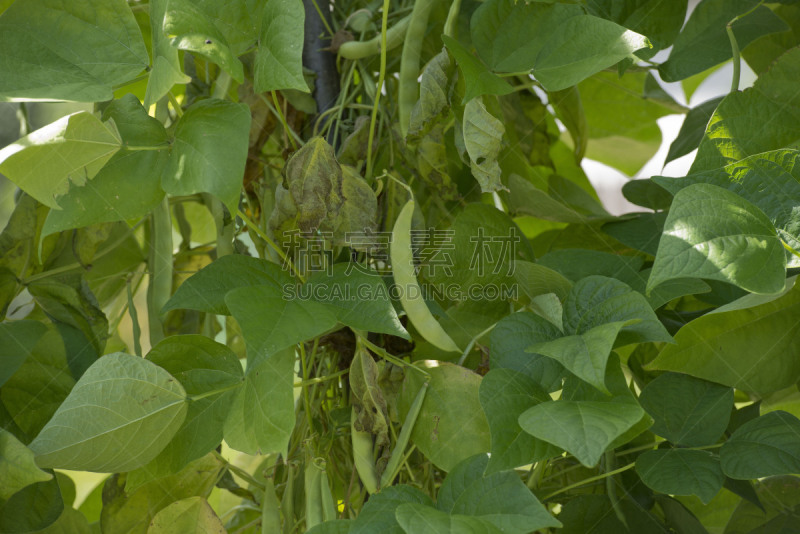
{"points": [[17, 468], [772, 439], [692, 129], [659, 20], [358, 299], [705, 30], [18, 339], [681, 472], [32, 508], [378, 514], [478, 78], [504, 395], [687, 411]]}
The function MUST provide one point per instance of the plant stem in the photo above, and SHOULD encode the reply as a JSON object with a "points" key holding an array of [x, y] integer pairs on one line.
{"points": [[737, 61], [238, 471], [611, 488], [381, 77], [138, 148], [175, 104], [306, 399], [253, 226], [589, 481], [452, 19], [282, 118], [472, 344], [137, 332], [388, 357], [321, 379]]}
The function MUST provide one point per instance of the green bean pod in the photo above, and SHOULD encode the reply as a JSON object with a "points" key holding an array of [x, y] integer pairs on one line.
{"points": [[312, 479], [408, 86], [410, 292], [361, 49], [363, 456], [270, 510], [393, 466]]}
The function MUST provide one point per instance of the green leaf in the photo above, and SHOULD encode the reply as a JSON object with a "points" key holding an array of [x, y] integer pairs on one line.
{"points": [[192, 514], [132, 512], [35, 391], [536, 280], [515, 333], [659, 20], [378, 514], [713, 233], [586, 428], [434, 100], [334, 526], [358, 299], [583, 46], [271, 322], [647, 193], [681, 472], [419, 518], [451, 425], [498, 498], [205, 369], [771, 439], [597, 300], [483, 136], [193, 27], [594, 514], [18, 339], [705, 30], [167, 70], [548, 202], [119, 416], [478, 78], [504, 395], [733, 346], [75, 51], [17, 468], [72, 149], [279, 59], [763, 118], [621, 120], [687, 411], [209, 151], [771, 181], [642, 231], [576, 264], [692, 129], [509, 35], [762, 52], [33, 508], [262, 417], [206, 289], [584, 355]]}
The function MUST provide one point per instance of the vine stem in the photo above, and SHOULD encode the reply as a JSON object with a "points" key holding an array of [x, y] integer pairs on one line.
{"points": [[253, 226], [238, 471], [159, 289], [589, 481], [737, 61], [306, 398], [282, 118], [388, 357], [381, 77]]}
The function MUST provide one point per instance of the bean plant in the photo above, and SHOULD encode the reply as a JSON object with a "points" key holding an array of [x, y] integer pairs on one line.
{"points": [[336, 267]]}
